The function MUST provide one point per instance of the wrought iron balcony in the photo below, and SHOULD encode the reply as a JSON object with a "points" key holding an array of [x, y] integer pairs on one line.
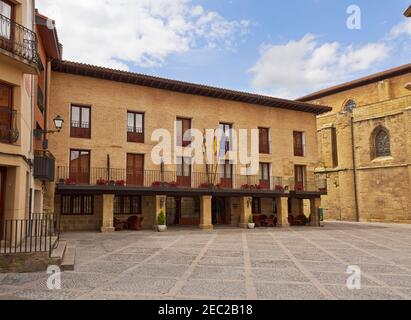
{"points": [[174, 179], [18, 40], [8, 126], [44, 166]]}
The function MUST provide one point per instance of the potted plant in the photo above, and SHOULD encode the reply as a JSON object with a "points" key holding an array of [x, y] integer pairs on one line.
{"points": [[251, 224], [161, 222]]}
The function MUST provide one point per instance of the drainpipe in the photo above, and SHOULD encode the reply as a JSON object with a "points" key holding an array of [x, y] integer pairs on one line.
{"points": [[31, 150], [357, 208], [46, 103]]}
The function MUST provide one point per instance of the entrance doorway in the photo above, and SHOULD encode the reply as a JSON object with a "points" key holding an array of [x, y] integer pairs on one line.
{"points": [[183, 211], [219, 211]]}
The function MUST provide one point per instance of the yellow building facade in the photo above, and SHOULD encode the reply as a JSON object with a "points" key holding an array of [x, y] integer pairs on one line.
{"points": [[105, 171], [18, 65], [365, 147]]}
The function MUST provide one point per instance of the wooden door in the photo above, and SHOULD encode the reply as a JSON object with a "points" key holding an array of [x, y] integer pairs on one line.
{"points": [[184, 174], [226, 172], [80, 166], [300, 172], [135, 169]]}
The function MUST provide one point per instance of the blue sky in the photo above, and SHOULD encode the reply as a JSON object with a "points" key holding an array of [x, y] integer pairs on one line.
{"points": [[262, 35]]}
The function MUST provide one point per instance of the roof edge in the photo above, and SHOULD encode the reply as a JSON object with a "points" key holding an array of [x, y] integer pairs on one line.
{"points": [[398, 71], [183, 87]]}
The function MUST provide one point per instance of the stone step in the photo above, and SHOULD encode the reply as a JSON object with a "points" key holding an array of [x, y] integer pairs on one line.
{"points": [[58, 253], [69, 259]]}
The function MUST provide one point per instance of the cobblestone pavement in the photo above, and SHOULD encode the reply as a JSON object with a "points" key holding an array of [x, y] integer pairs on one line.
{"points": [[295, 263]]}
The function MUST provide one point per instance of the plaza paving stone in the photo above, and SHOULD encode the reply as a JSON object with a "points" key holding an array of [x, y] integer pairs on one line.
{"points": [[230, 263]]}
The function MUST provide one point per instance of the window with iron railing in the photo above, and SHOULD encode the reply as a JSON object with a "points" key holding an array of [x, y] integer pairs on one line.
{"points": [[80, 122], [127, 205], [14, 37], [73, 205], [135, 127]]}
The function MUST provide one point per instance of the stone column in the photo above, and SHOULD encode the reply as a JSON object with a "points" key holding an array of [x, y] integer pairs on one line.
{"points": [[107, 224], [315, 204], [159, 205], [245, 211], [282, 212], [206, 221]]}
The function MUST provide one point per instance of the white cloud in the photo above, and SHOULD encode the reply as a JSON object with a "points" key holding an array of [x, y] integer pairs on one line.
{"points": [[306, 65], [140, 32], [401, 29]]}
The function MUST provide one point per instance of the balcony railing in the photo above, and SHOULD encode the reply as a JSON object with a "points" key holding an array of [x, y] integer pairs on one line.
{"points": [[8, 126], [44, 166], [172, 179], [18, 40]]}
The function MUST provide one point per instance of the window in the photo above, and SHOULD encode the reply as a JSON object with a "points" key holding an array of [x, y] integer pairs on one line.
{"points": [[135, 127], [256, 206], [265, 175], [300, 174], [135, 169], [184, 172], [6, 10], [350, 105], [299, 144], [77, 205], [382, 143], [127, 205], [264, 134], [80, 122], [226, 138], [334, 147], [183, 125], [6, 113], [80, 166]]}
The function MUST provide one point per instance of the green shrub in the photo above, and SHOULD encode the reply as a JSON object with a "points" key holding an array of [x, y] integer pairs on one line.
{"points": [[161, 219], [250, 219]]}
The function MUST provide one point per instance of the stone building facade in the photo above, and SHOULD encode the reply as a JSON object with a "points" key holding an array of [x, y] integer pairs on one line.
{"points": [[103, 154], [365, 147]]}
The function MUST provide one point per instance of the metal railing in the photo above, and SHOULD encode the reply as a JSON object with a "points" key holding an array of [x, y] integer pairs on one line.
{"points": [[44, 166], [174, 179], [8, 126], [18, 40], [41, 233]]}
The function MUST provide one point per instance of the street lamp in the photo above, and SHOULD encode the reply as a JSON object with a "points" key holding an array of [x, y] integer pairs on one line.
{"points": [[58, 123]]}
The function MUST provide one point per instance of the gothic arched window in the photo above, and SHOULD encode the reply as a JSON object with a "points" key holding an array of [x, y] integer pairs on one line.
{"points": [[350, 105], [382, 143]]}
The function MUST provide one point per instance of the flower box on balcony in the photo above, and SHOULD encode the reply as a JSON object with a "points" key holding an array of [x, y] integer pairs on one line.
{"points": [[206, 186], [120, 183], [157, 184], [70, 182], [323, 190], [173, 184], [101, 182], [279, 188]]}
